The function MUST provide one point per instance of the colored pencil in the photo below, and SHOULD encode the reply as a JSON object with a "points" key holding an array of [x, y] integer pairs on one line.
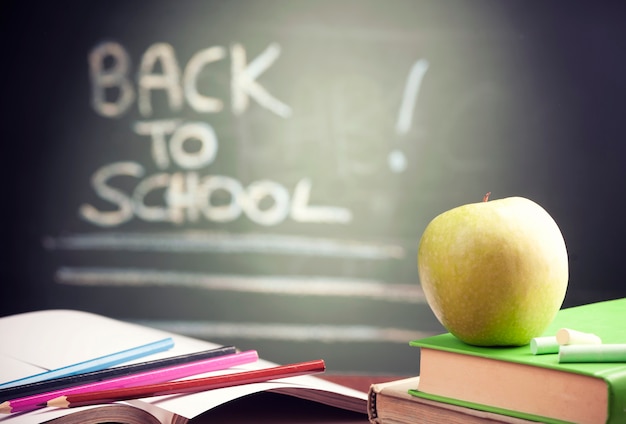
{"points": [[140, 379], [24, 390], [189, 386], [99, 363]]}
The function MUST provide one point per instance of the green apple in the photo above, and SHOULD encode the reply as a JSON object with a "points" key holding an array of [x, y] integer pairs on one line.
{"points": [[495, 272]]}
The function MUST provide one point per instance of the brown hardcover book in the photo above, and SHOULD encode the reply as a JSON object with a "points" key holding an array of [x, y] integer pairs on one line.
{"points": [[391, 403]]}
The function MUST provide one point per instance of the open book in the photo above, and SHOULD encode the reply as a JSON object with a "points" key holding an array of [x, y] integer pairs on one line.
{"points": [[34, 342]]}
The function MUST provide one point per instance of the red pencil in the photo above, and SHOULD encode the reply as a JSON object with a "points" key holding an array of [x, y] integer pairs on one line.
{"points": [[189, 386]]}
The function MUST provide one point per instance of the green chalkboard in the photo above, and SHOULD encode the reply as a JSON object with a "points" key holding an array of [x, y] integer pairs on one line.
{"points": [[260, 172]]}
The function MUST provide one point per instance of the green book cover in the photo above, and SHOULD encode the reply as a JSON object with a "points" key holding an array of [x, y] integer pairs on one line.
{"points": [[606, 319]]}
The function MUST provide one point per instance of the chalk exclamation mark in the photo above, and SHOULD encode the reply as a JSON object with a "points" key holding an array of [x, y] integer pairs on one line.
{"points": [[397, 159]]}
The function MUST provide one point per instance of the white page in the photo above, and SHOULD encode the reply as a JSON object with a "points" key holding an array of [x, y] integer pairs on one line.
{"points": [[12, 369], [58, 338], [39, 416]]}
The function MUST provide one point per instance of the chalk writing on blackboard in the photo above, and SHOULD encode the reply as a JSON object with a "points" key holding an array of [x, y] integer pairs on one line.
{"points": [[179, 85], [218, 242], [397, 160], [189, 192], [188, 195], [291, 332]]}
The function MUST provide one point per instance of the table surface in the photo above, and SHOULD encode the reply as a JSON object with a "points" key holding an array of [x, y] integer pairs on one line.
{"points": [[266, 408]]}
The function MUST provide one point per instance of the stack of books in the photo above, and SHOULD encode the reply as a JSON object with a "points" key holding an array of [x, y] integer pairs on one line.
{"points": [[459, 383]]}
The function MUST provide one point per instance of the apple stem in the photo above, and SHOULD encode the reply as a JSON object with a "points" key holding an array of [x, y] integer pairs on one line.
{"points": [[486, 197]]}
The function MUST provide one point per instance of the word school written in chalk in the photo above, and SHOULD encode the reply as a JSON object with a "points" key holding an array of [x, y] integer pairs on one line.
{"points": [[188, 196], [188, 199]]}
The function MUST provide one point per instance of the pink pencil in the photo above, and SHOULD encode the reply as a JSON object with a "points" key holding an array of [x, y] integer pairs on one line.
{"points": [[175, 372]]}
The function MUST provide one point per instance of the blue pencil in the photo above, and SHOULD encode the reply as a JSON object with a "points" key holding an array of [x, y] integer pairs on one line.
{"points": [[97, 363], [23, 390]]}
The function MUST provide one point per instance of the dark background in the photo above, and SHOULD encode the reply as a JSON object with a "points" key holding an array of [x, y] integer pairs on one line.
{"points": [[518, 98]]}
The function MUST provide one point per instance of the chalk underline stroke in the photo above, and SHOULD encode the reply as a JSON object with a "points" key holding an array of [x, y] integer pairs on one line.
{"points": [[282, 285], [205, 242], [293, 332]]}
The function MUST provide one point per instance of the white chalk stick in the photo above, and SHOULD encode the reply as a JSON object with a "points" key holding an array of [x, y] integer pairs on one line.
{"points": [[567, 336], [593, 353], [543, 345]]}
